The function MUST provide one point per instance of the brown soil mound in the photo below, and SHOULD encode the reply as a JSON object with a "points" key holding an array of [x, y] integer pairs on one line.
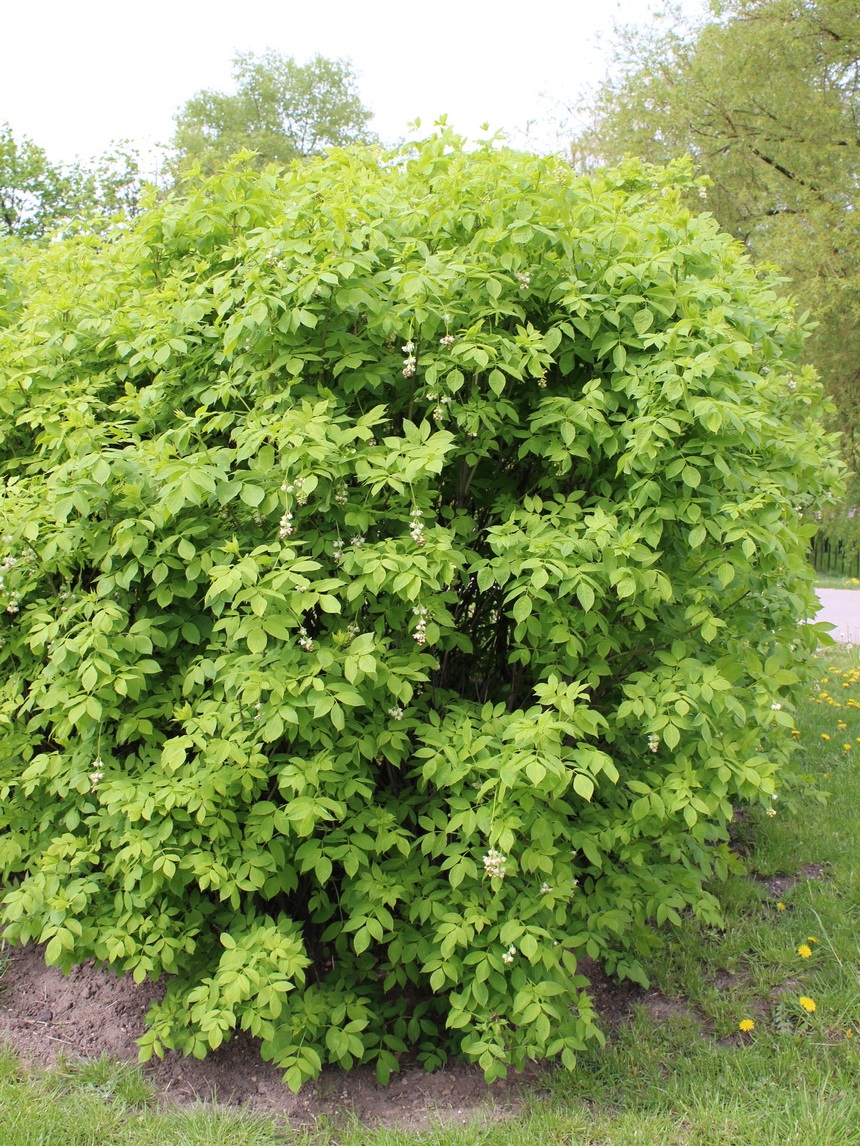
{"points": [[45, 1014]]}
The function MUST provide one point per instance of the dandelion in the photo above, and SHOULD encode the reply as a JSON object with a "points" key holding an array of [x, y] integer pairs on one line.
{"points": [[795, 732], [746, 1025], [807, 1003], [780, 907], [811, 939], [495, 864], [824, 736], [803, 951]]}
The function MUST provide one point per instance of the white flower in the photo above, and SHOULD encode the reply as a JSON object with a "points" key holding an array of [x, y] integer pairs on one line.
{"points": [[508, 956], [776, 707], [416, 526], [524, 279], [653, 742], [447, 340], [495, 864], [545, 889], [408, 348], [396, 713], [286, 527], [357, 541]]}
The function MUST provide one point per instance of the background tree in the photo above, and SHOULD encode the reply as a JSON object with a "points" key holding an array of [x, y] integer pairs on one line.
{"points": [[281, 109], [766, 97], [35, 194]]}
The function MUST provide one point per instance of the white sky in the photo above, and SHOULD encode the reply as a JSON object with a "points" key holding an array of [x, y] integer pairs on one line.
{"points": [[76, 75]]}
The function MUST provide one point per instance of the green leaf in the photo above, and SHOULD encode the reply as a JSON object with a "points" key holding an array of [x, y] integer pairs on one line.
{"points": [[583, 785]]}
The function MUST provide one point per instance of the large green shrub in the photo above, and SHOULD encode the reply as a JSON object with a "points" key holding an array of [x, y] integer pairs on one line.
{"points": [[401, 581]]}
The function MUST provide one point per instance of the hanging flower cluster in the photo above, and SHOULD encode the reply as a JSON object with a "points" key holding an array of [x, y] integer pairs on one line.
{"points": [[409, 362], [416, 526], [495, 864], [420, 633]]}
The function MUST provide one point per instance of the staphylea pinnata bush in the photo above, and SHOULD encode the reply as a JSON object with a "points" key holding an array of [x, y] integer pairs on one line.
{"points": [[402, 567]]}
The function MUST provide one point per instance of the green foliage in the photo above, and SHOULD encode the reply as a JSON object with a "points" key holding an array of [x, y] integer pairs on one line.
{"points": [[402, 577], [34, 193], [38, 196], [766, 97], [281, 110]]}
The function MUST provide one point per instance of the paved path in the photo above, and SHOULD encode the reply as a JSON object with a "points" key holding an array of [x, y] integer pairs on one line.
{"points": [[841, 607]]}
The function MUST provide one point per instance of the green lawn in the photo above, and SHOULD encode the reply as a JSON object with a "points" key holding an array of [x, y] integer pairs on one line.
{"points": [[832, 581], [680, 1073]]}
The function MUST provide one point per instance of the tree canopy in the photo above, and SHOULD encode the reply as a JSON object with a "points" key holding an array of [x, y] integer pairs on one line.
{"points": [[766, 97], [38, 195], [282, 110], [35, 194]]}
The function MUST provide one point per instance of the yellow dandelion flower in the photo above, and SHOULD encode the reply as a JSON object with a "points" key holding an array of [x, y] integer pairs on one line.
{"points": [[807, 1003], [746, 1025], [796, 732], [824, 736], [804, 951], [780, 907], [849, 1034], [847, 747], [841, 724]]}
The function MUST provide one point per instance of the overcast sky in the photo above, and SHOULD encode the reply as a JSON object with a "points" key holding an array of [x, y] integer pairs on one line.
{"points": [[77, 75]]}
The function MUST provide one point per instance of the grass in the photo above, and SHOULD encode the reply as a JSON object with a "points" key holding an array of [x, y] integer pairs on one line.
{"points": [[835, 581], [689, 1078]]}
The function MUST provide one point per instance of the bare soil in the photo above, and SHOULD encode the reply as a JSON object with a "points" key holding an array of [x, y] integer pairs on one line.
{"points": [[46, 1015]]}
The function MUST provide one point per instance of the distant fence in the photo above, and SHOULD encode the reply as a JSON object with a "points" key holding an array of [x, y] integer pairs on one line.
{"points": [[835, 557]]}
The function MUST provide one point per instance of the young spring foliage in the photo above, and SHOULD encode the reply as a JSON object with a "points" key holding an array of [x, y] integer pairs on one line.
{"points": [[402, 578]]}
